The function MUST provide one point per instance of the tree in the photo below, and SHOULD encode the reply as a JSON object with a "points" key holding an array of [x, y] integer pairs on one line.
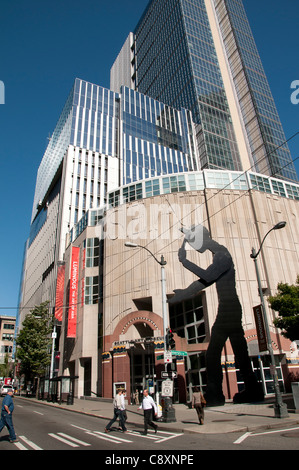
{"points": [[5, 368], [33, 342], [286, 303]]}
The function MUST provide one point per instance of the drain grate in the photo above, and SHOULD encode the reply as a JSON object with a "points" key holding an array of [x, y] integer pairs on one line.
{"points": [[291, 434]]}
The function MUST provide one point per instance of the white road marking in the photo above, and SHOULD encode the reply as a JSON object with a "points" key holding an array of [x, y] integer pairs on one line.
{"points": [[250, 434], [103, 437], [59, 438], [30, 443], [112, 437], [242, 438], [154, 437], [272, 432], [79, 427], [170, 437], [74, 439], [20, 446]]}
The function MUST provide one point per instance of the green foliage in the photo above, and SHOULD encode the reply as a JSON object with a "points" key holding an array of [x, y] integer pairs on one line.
{"points": [[5, 368], [286, 303], [34, 341]]}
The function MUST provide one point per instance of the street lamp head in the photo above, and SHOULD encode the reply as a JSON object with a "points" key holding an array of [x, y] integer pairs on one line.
{"points": [[131, 245], [279, 225]]}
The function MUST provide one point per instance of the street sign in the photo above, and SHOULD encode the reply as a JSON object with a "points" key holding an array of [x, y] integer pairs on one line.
{"points": [[167, 357], [179, 353], [167, 388], [165, 374]]}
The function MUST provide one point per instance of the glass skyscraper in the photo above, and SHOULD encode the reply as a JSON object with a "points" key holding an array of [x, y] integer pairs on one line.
{"points": [[201, 55], [102, 140], [155, 139]]}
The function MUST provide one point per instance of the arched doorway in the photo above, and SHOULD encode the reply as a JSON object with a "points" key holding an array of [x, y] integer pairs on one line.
{"points": [[142, 359], [134, 343]]}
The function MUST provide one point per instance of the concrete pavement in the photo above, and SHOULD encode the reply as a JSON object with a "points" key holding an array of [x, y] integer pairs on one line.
{"points": [[218, 420]]}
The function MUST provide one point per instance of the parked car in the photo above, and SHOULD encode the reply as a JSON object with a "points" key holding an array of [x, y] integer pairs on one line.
{"points": [[5, 389]]}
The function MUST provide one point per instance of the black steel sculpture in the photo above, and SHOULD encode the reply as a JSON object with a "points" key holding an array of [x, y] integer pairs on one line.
{"points": [[228, 323]]}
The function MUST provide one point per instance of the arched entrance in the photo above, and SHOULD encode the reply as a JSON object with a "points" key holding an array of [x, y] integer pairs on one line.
{"points": [[142, 360], [134, 345]]}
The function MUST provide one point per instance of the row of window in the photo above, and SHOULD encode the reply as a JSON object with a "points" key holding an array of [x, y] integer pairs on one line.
{"points": [[199, 181], [8, 326], [7, 337], [195, 181]]}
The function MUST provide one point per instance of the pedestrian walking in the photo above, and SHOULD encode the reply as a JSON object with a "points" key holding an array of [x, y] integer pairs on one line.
{"points": [[198, 402], [147, 406], [124, 411], [136, 397], [119, 407], [6, 416]]}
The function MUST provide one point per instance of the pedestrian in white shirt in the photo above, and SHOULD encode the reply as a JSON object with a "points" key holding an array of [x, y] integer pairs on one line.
{"points": [[147, 406], [123, 408], [119, 406]]}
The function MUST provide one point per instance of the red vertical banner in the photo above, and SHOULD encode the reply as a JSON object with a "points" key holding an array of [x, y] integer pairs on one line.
{"points": [[59, 292], [72, 316]]}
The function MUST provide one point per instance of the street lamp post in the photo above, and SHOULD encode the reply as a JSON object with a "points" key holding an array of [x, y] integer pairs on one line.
{"points": [[279, 407], [162, 263], [169, 411]]}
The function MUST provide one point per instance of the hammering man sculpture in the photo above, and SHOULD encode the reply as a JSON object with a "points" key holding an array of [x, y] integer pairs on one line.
{"points": [[228, 323]]}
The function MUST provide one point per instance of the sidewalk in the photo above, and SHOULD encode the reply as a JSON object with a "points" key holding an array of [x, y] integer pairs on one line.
{"points": [[218, 420]]}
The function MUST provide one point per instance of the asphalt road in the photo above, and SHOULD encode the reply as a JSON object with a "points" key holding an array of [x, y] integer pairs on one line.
{"points": [[42, 427]]}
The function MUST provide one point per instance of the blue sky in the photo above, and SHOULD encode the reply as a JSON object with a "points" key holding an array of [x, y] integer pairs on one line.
{"points": [[46, 44]]}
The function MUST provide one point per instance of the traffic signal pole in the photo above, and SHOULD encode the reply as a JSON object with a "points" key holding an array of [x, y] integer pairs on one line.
{"points": [[168, 412], [164, 300]]}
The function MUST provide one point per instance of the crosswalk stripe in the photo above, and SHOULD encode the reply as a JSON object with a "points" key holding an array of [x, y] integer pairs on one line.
{"points": [[169, 437], [146, 436], [113, 437], [102, 437], [20, 446], [74, 439], [30, 443], [59, 438]]}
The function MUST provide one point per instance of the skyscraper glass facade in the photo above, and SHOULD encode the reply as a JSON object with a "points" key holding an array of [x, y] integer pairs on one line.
{"points": [[266, 136], [95, 118], [184, 53], [156, 139], [113, 139], [176, 63]]}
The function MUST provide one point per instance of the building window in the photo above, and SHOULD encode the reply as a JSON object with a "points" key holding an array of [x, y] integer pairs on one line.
{"points": [[7, 337], [187, 320], [91, 290], [92, 252]]}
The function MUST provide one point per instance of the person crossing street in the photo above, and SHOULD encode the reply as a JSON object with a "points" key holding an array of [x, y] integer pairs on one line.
{"points": [[119, 407], [147, 406], [6, 416]]}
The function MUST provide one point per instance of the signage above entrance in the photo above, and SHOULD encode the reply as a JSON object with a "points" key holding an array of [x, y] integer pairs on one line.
{"points": [[132, 342]]}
